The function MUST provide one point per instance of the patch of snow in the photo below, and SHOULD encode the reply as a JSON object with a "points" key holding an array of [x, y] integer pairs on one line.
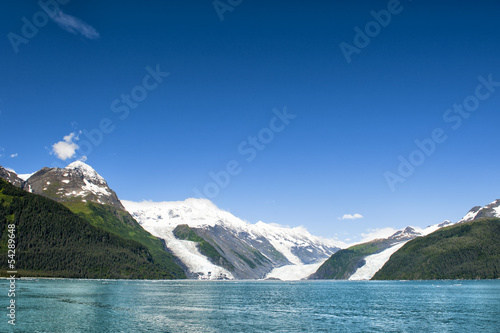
{"points": [[25, 176], [48, 183], [469, 216], [374, 263], [294, 272], [497, 211], [96, 189], [45, 189], [65, 181]]}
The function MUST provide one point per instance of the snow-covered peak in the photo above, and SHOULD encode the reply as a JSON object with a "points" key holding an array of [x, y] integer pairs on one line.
{"points": [[490, 210], [406, 234], [194, 212], [85, 170], [471, 214]]}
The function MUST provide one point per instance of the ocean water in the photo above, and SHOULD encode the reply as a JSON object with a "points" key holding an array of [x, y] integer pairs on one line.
{"points": [[67, 305]]}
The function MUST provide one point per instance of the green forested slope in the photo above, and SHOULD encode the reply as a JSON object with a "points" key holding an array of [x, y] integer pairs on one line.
{"points": [[465, 251], [52, 241], [123, 224], [343, 263]]}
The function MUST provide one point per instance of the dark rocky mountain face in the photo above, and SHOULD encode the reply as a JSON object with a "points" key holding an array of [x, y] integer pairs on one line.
{"points": [[76, 182], [11, 177]]}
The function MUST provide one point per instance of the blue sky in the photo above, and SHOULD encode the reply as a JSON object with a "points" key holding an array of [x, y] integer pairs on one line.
{"points": [[350, 119]]}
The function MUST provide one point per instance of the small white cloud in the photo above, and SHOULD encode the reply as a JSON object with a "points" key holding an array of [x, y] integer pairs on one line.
{"points": [[351, 217], [67, 148], [14, 155], [74, 25]]}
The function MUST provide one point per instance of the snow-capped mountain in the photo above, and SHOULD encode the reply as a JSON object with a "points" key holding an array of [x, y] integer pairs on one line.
{"points": [[371, 264], [375, 262], [250, 251], [78, 181], [477, 212]]}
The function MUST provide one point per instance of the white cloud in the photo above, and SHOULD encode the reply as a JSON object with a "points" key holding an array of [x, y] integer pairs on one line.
{"points": [[14, 155], [376, 233], [351, 217], [74, 25], [67, 148]]}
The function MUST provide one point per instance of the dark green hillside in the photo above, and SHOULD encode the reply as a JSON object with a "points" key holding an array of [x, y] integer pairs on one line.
{"points": [[184, 232], [122, 224], [343, 263], [465, 251], [54, 242]]}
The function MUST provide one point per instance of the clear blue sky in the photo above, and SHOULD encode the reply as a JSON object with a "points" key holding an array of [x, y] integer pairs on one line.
{"points": [[353, 120]]}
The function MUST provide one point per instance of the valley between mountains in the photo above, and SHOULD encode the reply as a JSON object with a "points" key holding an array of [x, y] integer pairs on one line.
{"points": [[70, 223]]}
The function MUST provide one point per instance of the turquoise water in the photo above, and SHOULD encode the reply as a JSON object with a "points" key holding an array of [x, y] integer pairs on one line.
{"points": [[253, 306]]}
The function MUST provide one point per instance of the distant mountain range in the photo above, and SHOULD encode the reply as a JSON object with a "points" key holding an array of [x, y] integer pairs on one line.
{"points": [[206, 242], [237, 249], [195, 239], [469, 248]]}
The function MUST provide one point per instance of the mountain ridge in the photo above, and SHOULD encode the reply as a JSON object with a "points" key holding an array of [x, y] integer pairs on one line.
{"points": [[254, 250]]}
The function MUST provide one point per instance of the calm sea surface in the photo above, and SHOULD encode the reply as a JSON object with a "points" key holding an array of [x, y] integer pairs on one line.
{"points": [[252, 306]]}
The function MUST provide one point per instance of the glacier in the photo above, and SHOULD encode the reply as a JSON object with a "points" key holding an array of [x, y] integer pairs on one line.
{"points": [[374, 263], [300, 250]]}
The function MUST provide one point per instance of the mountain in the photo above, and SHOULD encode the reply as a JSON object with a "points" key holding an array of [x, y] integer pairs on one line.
{"points": [[466, 250], [11, 177], [51, 241], [78, 182], [214, 244], [81, 189], [362, 261], [477, 212]]}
